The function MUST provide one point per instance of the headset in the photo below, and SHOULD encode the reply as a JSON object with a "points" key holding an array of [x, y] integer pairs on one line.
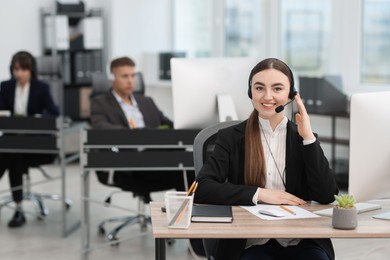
{"points": [[291, 94]]}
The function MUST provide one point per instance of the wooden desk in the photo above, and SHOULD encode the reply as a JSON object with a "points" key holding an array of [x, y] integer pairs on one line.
{"points": [[245, 225]]}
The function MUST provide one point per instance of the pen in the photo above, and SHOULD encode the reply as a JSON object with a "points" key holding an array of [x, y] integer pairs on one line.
{"points": [[288, 210]]}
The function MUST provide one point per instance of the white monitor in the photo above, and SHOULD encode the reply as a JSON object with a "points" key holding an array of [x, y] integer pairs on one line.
{"points": [[196, 83], [369, 156]]}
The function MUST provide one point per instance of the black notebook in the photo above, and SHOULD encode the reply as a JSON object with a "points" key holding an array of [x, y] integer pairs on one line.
{"points": [[212, 213]]}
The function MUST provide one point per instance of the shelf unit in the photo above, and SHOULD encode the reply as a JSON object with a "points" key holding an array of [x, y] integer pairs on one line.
{"points": [[77, 38]]}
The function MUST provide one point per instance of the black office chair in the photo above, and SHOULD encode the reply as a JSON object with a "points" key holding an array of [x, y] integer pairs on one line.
{"points": [[141, 190], [203, 147], [37, 198], [101, 83], [143, 197]]}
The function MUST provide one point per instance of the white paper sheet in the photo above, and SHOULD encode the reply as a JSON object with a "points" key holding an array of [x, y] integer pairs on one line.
{"points": [[300, 213]]}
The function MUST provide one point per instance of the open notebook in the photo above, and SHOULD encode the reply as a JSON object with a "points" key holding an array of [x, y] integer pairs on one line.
{"points": [[361, 207]]}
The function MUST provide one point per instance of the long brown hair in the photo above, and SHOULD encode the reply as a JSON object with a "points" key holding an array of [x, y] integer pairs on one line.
{"points": [[255, 167]]}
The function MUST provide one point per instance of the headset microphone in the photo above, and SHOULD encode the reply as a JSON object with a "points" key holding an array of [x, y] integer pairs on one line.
{"points": [[281, 107]]}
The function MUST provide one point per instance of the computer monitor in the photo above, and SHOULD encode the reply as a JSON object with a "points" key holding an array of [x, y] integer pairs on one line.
{"points": [[196, 83], [369, 161]]}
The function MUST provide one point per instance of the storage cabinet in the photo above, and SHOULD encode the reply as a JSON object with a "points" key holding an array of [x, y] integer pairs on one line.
{"points": [[76, 36]]}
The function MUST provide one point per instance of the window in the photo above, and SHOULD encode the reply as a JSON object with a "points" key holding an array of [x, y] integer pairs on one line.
{"points": [[193, 27], [376, 42], [243, 28], [305, 35]]}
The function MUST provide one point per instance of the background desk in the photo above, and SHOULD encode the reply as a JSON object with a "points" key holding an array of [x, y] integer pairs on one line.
{"points": [[44, 136], [122, 150], [245, 225]]}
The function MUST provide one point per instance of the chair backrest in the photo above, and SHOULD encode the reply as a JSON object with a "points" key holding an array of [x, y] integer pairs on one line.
{"points": [[203, 147], [139, 87], [101, 83], [49, 66], [204, 141], [50, 70]]}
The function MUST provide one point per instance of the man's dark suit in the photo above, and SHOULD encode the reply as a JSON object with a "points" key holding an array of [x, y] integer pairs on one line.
{"points": [[221, 180], [40, 102], [106, 113]]}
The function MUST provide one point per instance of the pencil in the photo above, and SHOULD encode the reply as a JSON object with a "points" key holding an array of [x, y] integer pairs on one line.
{"points": [[194, 189], [187, 203], [287, 209], [191, 187]]}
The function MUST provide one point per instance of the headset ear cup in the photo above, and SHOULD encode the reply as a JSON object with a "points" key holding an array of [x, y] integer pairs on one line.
{"points": [[292, 94]]}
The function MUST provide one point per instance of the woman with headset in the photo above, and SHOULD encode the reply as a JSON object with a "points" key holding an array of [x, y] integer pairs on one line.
{"points": [[269, 159], [24, 95]]}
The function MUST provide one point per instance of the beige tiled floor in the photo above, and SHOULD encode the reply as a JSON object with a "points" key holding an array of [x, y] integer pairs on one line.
{"points": [[41, 239]]}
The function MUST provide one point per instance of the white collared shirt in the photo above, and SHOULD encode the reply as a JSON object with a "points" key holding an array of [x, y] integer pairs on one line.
{"points": [[21, 99], [132, 111], [274, 147]]}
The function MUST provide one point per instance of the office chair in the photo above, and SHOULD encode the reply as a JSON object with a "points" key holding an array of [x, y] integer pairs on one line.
{"points": [[139, 218], [101, 83], [35, 197], [141, 191], [203, 147]]}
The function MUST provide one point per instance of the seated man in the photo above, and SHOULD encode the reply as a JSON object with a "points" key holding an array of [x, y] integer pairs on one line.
{"points": [[120, 108]]}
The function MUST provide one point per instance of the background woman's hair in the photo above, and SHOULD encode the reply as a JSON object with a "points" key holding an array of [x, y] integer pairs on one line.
{"points": [[26, 61]]}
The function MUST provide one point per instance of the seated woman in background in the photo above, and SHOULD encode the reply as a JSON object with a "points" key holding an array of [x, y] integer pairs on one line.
{"points": [[24, 95], [269, 159]]}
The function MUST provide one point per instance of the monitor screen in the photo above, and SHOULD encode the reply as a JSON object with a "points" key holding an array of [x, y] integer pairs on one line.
{"points": [[369, 162], [196, 82]]}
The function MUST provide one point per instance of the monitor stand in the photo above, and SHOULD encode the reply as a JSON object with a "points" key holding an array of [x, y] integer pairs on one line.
{"points": [[226, 109]]}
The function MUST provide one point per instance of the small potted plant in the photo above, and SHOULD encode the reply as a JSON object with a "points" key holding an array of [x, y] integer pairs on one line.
{"points": [[345, 213]]}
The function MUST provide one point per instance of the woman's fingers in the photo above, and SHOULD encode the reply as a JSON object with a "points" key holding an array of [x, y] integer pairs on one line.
{"points": [[279, 197], [301, 106], [303, 120]]}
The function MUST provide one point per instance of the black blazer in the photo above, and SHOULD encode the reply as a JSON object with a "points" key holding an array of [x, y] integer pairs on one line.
{"points": [[40, 100], [221, 179], [106, 113]]}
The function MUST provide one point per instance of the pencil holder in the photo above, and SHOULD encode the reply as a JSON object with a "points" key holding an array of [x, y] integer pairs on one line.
{"points": [[179, 209]]}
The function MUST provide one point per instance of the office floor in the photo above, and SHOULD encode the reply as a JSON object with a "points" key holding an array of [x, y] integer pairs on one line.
{"points": [[42, 239]]}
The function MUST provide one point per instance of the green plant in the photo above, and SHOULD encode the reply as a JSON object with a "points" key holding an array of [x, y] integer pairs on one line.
{"points": [[345, 201]]}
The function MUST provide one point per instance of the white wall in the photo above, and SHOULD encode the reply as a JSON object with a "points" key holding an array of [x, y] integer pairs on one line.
{"points": [[20, 30], [140, 27]]}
